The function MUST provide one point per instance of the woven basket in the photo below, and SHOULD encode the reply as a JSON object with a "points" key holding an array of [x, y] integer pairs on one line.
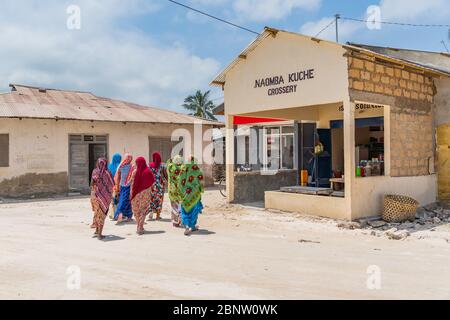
{"points": [[399, 208]]}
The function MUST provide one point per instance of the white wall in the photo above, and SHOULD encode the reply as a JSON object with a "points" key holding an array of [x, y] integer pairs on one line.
{"points": [[368, 192], [41, 146], [284, 54]]}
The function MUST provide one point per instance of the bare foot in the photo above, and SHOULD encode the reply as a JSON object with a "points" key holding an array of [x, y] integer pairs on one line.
{"points": [[100, 237], [120, 218], [187, 231]]}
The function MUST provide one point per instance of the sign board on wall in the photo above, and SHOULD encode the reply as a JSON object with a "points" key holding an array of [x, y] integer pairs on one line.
{"points": [[360, 106], [284, 84]]}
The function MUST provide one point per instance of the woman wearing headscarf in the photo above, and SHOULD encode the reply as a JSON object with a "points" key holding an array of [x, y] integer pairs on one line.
{"points": [[173, 172], [191, 188], [102, 185], [112, 167], [122, 182], [141, 188], [159, 172]]}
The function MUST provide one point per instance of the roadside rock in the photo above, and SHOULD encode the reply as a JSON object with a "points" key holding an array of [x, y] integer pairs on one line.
{"points": [[351, 225], [436, 220], [376, 223], [397, 234]]}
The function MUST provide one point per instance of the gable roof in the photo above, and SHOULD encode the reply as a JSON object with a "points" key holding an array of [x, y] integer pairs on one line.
{"points": [[431, 67], [43, 103]]}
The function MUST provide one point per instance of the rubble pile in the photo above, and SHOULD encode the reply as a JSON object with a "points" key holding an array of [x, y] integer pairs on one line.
{"points": [[427, 218]]}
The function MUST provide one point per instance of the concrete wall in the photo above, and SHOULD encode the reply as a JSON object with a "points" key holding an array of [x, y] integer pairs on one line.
{"points": [[368, 192], [39, 154], [442, 101], [331, 207], [279, 56], [250, 186]]}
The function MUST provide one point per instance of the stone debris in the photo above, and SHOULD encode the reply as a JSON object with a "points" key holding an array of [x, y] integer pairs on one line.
{"points": [[308, 241], [395, 234], [376, 223], [427, 218], [351, 225]]}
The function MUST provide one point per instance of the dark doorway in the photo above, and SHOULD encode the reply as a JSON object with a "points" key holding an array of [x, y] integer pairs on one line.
{"points": [[96, 151], [84, 150]]}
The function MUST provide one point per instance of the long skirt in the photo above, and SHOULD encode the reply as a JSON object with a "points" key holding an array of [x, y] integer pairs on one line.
{"points": [[141, 206], [157, 198], [124, 205], [189, 219], [99, 215], [175, 213]]}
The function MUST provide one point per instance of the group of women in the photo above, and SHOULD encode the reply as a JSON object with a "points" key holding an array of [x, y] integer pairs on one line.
{"points": [[127, 189]]}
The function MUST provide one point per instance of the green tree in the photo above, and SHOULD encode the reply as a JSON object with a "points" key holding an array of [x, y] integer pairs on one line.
{"points": [[199, 105]]}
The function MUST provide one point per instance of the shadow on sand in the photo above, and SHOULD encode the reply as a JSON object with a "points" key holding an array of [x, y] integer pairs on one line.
{"points": [[147, 232], [202, 232], [111, 237]]}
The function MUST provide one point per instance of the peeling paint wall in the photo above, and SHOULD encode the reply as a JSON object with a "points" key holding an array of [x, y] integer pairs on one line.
{"points": [[42, 184], [39, 150]]}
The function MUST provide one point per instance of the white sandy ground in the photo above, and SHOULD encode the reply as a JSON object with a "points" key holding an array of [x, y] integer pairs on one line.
{"points": [[241, 253]]}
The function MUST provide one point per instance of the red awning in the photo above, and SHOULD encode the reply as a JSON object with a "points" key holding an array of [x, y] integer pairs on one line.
{"points": [[248, 120]]}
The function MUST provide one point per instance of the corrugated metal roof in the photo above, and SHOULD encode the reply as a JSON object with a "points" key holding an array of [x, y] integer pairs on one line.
{"points": [[437, 61], [33, 102], [434, 68]]}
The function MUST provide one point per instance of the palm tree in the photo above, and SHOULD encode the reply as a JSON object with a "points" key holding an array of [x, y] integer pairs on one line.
{"points": [[199, 105]]}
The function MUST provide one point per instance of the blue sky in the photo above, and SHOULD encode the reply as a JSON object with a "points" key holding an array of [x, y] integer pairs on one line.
{"points": [[155, 53]]}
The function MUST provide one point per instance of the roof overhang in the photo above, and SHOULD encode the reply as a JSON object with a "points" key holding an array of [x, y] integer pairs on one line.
{"points": [[220, 79]]}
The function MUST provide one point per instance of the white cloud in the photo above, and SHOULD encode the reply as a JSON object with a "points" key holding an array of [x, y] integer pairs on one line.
{"points": [[408, 10], [262, 10], [391, 10], [39, 50]]}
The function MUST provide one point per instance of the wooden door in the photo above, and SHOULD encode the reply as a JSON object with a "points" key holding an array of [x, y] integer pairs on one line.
{"points": [[79, 166]]}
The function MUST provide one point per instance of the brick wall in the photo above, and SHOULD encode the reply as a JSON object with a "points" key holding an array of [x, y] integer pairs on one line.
{"points": [[410, 95], [411, 143], [389, 80]]}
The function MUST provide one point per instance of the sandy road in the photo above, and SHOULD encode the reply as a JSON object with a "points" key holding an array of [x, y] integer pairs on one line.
{"points": [[241, 253]]}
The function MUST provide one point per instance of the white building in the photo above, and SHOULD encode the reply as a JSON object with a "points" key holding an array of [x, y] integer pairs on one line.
{"points": [[50, 139]]}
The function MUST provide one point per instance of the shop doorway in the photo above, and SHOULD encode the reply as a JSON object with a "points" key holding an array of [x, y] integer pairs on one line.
{"points": [[84, 151]]}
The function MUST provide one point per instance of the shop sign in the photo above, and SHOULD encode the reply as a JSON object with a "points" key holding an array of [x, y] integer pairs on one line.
{"points": [[359, 106], [284, 84]]}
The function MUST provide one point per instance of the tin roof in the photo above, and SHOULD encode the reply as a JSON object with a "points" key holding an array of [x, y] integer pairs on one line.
{"points": [[44, 103], [428, 62], [438, 61]]}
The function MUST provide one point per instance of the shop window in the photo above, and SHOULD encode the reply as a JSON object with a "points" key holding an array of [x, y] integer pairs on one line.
{"points": [[4, 150], [278, 148], [369, 147]]}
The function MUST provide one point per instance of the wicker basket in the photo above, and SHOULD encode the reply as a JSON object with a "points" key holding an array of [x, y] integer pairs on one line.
{"points": [[399, 208]]}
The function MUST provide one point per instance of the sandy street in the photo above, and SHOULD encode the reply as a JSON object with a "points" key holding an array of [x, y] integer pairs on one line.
{"points": [[240, 253]]}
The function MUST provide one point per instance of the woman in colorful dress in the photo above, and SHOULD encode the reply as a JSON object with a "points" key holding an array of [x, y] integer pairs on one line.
{"points": [[122, 181], [160, 173], [142, 181], [190, 184], [112, 167], [173, 172], [102, 185]]}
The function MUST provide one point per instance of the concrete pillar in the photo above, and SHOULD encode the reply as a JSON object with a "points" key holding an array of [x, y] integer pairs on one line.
{"points": [[229, 157], [349, 153]]}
